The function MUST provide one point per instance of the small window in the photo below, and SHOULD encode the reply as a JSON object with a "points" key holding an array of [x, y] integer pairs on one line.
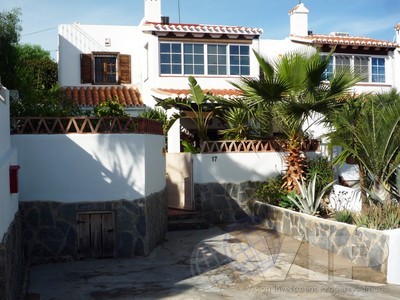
{"points": [[378, 70], [329, 70], [105, 69], [239, 60], [193, 59], [361, 67], [171, 58], [217, 62], [342, 62]]}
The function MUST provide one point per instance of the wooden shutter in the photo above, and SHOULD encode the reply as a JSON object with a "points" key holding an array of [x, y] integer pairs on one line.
{"points": [[124, 67], [86, 68]]}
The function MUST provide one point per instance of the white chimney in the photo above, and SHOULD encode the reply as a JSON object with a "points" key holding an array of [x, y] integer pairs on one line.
{"points": [[299, 20], [397, 37], [152, 11]]}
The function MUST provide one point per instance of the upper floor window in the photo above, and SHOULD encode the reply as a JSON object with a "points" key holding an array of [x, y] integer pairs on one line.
{"points": [[171, 58], [372, 69], [239, 60], [217, 62], [204, 59], [105, 68], [193, 58]]}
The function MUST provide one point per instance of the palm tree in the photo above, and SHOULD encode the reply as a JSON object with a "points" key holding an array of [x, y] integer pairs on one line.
{"points": [[368, 129], [200, 105], [297, 93]]}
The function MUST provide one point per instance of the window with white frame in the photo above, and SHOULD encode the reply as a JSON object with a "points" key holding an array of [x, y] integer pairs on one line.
{"points": [[204, 59], [239, 60], [171, 58], [217, 63], [378, 70], [372, 69], [361, 67], [193, 59]]}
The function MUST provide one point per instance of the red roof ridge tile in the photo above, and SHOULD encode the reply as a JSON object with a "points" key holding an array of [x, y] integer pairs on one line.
{"points": [[348, 40]]}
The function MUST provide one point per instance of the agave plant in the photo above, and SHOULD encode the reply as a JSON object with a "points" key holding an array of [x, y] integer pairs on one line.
{"points": [[308, 201]]}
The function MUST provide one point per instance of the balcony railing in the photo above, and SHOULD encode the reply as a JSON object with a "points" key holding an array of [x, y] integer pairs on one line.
{"points": [[84, 125]]}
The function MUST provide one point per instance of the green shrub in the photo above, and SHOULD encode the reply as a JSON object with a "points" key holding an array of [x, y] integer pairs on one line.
{"points": [[285, 202], [344, 216], [271, 191], [379, 216], [323, 169], [110, 108]]}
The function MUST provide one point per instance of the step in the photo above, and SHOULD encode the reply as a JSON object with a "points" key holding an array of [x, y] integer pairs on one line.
{"points": [[187, 224]]}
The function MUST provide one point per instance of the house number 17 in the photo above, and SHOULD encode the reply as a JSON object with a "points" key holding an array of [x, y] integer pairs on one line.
{"points": [[214, 158]]}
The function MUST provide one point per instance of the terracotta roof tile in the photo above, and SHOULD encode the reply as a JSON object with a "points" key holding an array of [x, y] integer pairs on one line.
{"points": [[344, 40], [92, 95], [299, 7], [184, 93], [203, 29]]}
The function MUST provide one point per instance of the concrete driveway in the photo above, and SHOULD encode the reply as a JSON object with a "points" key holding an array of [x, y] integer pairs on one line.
{"points": [[230, 262]]}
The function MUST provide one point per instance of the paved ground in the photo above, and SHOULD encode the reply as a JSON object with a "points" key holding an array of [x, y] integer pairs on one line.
{"points": [[212, 264]]}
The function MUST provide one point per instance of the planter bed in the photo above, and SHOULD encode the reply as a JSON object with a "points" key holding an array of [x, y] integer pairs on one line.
{"points": [[366, 248]]}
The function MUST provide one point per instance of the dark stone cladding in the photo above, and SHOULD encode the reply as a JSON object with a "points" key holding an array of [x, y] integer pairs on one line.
{"points": [[11, 260], [50, 228], [224, 202]]}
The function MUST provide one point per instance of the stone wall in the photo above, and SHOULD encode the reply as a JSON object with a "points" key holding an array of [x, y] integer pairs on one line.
{"points": [[50, 228], [362, 246], [11, 260], [224, 202]]}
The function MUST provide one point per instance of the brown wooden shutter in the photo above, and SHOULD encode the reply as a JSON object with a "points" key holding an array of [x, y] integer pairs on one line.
{"points": [[86, 68], [124, 68]]}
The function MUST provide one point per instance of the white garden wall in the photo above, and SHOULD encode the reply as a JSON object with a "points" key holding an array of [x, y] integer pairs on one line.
{"points": [[236, 167], [8, 157], [90, 167]]}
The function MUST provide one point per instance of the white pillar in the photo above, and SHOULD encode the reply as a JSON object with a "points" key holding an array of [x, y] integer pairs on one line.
{"points": [[174, 134]]}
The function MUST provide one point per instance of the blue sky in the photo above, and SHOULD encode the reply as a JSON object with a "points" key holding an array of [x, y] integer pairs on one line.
{"points": [[372, 18]]}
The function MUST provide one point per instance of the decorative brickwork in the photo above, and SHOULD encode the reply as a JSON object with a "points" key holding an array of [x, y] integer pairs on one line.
{"points": [[272, 145], [64, 125]]}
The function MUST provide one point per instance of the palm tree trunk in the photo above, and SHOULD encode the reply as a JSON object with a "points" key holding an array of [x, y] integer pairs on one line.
{"points": [[296, 163], [364, 198]]}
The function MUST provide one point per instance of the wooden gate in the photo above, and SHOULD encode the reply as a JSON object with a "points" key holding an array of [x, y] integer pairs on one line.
{"points": [[96, 235], [180, 180]]}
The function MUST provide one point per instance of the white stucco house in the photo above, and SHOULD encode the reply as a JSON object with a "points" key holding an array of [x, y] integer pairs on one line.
{"points": [[153, 60]]}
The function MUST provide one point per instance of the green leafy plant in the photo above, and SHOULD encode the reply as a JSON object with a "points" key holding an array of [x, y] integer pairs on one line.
{"points": [[200, 106], [308, 201], [157, 114], [271, 191], [188, 147], [322, 168], [379, 216], [344, 216], [110, 108], [285, 202]]}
